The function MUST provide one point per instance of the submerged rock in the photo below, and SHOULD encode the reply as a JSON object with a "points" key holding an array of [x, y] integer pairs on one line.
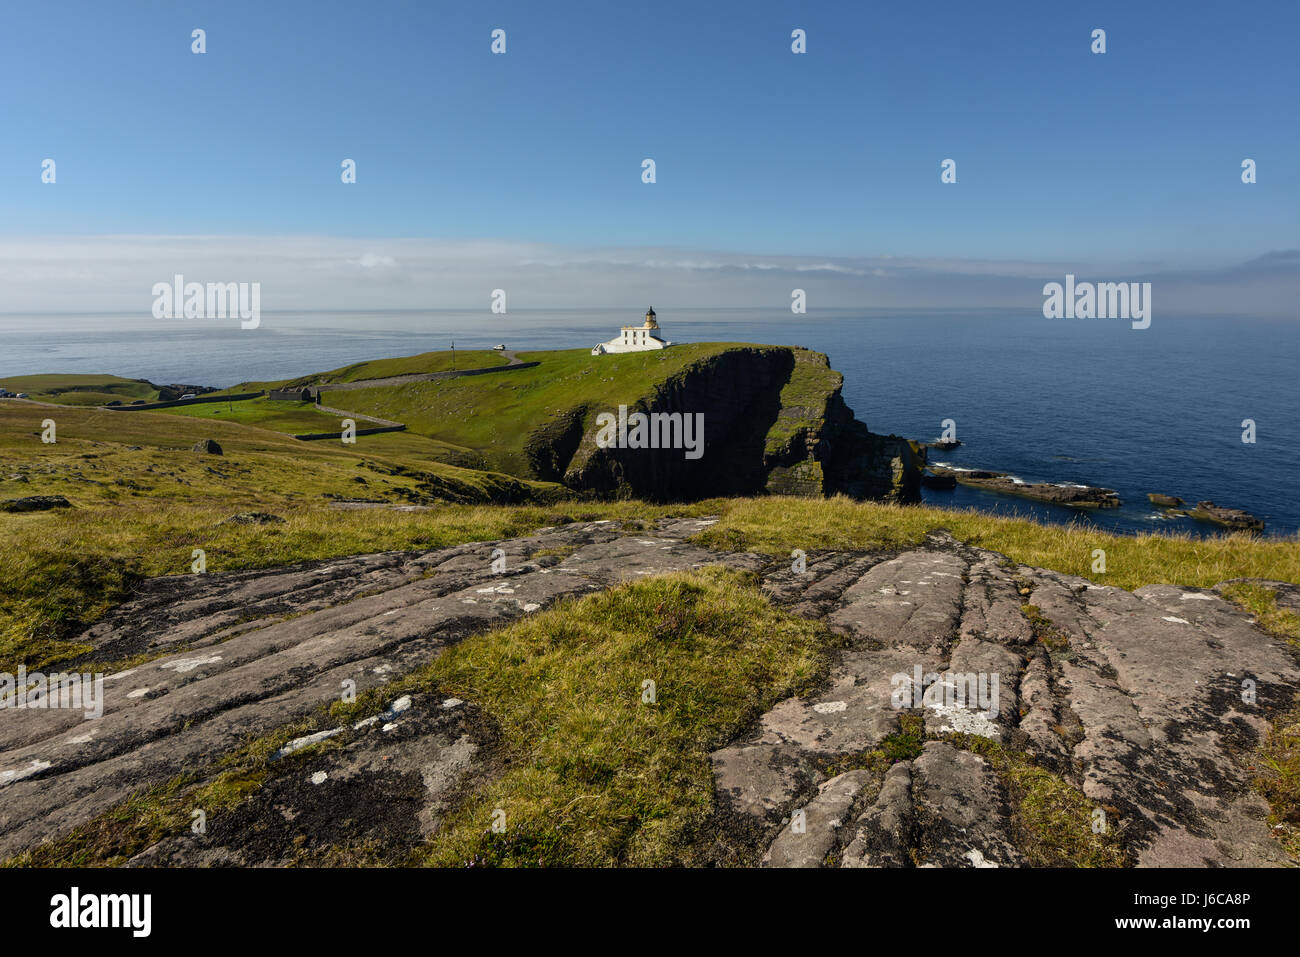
{"points": [[1164, 501], [930, 480]]}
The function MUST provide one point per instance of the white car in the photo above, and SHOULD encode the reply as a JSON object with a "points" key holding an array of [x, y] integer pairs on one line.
{"points": [[188, 395]]}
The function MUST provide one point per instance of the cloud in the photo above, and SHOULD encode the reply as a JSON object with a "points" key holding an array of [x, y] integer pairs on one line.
{"points": [[117, 273]]}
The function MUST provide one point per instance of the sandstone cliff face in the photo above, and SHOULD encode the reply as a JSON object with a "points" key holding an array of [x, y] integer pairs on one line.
{"points": [[774, 421]]}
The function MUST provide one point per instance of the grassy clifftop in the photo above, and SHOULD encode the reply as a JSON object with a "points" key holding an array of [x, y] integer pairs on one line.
{"points": [[81, 389], [425, 362], [495, 415]]}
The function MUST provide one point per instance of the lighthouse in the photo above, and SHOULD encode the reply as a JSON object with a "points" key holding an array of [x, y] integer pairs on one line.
{"points": [[642, 338]]}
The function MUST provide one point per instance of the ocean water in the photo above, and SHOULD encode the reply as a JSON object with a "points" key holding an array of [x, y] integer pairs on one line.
{"points": [[1088, 401]]}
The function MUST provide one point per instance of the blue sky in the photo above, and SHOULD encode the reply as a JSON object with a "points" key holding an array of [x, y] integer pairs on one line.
{"points": [[1065, 156]]}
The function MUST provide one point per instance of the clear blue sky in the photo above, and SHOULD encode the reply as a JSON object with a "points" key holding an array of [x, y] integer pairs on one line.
{"points": [[1135, 153]]}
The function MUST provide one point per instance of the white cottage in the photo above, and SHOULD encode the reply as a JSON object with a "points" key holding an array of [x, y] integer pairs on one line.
{"points": [[640, 338]]}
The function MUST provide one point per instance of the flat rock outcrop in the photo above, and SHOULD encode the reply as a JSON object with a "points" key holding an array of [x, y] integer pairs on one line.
{"points": [[952, 663], [1231, 518], [1079, 496], [1149, 704]]}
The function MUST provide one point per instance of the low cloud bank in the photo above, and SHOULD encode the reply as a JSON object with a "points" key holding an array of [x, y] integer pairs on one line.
{"points": [[116, 274]]}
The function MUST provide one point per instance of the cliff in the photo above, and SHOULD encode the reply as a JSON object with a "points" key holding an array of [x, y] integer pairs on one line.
{"points": [[773, 421]]}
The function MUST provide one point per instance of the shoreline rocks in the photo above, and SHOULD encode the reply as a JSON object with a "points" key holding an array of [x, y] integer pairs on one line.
{"points": [[1234, 518], [1077, 496], [930, 480], [1164, 501]]}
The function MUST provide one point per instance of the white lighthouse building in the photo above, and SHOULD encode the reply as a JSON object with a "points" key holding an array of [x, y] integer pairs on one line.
{"points": [[642, 338]]}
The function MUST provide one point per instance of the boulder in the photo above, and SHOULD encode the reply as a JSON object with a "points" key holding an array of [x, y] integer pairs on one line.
{"points": [[207, 447], [34, 503], [254, 518]]}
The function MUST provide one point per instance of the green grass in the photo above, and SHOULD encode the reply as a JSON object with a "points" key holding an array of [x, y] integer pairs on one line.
{"points": [[598, 776], [803, 397], [1278, 779], [1277, 775], [143, 501], [495, 415], [383, 368], [1051, 820], [776, 525], [299, 418], [72, 389], [287, 417], [1261, 601]]}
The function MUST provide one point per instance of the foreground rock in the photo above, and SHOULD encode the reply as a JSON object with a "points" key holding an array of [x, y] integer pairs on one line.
{"points": [[238, 655], [1079, 496], [207, 447], [1134, 704]]}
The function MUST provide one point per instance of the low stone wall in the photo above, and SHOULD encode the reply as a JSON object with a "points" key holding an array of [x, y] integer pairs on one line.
{"points": [[290, 395], [196, 401], [315, 436]]}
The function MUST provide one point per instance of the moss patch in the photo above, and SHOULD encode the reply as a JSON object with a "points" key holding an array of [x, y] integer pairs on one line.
{"points": [[1052, 821]]}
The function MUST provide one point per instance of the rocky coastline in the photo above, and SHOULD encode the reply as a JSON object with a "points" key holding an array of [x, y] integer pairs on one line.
{"points": [[1077, 496]]}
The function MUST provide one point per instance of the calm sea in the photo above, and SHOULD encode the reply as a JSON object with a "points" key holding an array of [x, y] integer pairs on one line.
{"points": [[1088, 401]]}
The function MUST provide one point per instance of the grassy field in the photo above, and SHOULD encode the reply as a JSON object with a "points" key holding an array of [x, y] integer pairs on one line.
{"points": [[288, 417], [494, 415], [383, 368], [81, 389], [606, 769], [297, 418], [778, 525], [142, 500]]}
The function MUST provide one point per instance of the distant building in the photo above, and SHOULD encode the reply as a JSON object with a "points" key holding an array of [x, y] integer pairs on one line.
{"points": [[642, 338]]}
